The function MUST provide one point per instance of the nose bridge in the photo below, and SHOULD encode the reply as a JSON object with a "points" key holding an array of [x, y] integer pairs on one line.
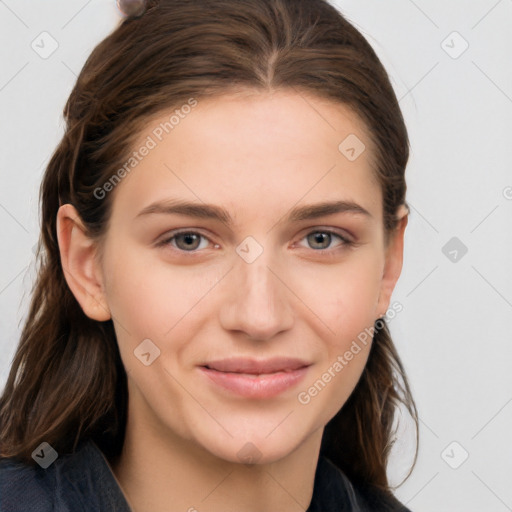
{"points": [[257, 283], [257, 301]]}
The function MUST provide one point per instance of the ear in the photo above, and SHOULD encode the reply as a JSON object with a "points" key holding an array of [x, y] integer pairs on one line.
{"points": [[393, 262], [81, 270]]}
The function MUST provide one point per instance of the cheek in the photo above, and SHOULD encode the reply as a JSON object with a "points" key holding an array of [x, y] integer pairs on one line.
{"points": [[157, 301], [343, 296], [146, 294]]}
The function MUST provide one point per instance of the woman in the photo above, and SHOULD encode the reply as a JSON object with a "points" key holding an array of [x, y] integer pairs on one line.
{"points": [[253, 371]]}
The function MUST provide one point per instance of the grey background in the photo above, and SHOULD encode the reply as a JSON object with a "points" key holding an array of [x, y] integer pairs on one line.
{"points": [[453, 333]]}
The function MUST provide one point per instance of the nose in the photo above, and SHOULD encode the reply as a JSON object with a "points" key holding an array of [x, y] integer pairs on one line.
{"points": [[256, 300]]}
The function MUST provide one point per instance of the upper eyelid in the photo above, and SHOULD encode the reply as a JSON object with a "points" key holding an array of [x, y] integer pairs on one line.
{"points": [[174, 233]]}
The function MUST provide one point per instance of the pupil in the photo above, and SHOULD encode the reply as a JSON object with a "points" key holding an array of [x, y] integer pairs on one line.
{"points": [[189, 238], [319, 237]]}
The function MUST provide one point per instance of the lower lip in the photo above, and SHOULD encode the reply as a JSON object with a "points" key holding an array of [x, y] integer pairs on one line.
{"points": [[261, 386]]}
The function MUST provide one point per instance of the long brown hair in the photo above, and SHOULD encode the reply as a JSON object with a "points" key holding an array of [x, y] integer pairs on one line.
{"points": [[67, 382]]}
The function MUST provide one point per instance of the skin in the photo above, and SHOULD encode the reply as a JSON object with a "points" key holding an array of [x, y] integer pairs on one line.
{"points": [[257, 155]]}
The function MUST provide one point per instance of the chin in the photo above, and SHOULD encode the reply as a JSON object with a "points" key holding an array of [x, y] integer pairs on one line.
{"points": [[251, 448], [252, 451]]}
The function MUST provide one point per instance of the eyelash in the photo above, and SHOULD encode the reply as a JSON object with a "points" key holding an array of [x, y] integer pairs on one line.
{"points": [[346, 243]]}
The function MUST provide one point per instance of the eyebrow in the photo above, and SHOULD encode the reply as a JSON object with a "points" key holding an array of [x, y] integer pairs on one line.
{"points": [[211, 211]]}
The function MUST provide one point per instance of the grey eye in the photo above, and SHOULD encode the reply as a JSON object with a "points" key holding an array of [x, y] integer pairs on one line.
{"points": [[191, 241]]}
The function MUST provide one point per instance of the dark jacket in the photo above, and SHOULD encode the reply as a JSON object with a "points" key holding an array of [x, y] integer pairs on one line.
{"points": [[83, 482]]}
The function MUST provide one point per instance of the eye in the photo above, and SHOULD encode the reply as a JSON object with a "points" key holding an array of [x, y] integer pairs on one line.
{"points": [[320, 239], [190, 241], [186, 241]]}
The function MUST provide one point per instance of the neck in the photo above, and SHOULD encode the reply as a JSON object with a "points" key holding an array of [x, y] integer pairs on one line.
{"points": [[160, 471]]}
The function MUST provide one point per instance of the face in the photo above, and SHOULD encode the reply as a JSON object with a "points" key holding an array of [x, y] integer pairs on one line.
{"points": [[238, 325]]}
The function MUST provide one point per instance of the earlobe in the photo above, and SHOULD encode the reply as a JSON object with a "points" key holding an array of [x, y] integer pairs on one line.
{"points": [[81, 270], [393, 262]]}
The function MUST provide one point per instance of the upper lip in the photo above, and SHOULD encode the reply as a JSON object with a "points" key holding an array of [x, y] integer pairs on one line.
{"points": [[255, 366]]}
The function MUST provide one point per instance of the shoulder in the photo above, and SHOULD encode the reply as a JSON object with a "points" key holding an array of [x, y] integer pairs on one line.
{"points": [[25, 487], [334, 491], [74, 482], [374, 499]]}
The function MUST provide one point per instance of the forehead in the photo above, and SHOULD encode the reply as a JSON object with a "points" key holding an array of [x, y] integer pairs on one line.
{"points": [[253, 151]]}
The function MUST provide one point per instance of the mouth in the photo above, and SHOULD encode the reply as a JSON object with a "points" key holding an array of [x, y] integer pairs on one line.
{"points": [[255, 378]]}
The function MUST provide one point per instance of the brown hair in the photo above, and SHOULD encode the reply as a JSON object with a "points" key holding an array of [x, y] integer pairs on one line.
{"points": [[67, 381]]}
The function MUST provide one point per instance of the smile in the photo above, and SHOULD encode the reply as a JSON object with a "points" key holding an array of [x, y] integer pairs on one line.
{"points": [[255, 379]]}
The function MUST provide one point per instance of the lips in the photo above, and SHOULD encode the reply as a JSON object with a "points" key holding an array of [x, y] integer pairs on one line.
{"points": [[256, 379], [255, 367]]}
